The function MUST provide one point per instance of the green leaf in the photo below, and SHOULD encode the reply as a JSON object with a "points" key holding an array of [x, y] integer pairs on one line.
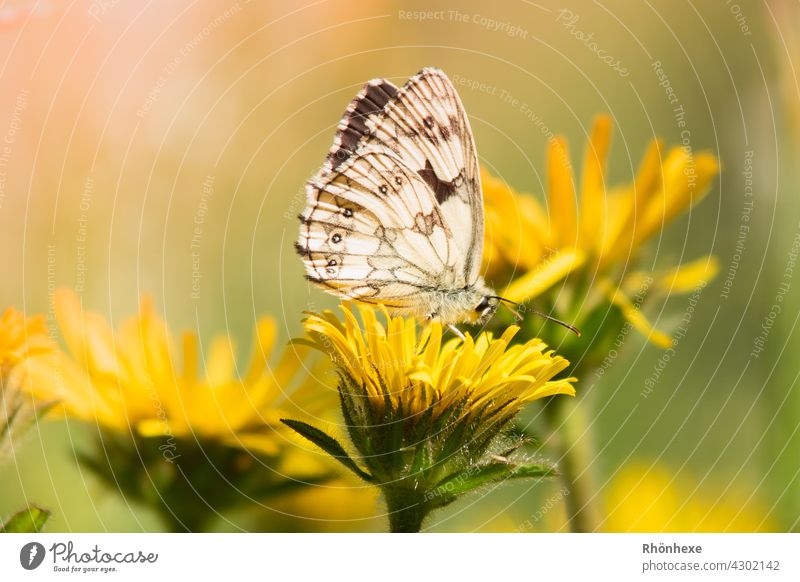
{"points": [[452, 486], [328, 444], [29, 520]]}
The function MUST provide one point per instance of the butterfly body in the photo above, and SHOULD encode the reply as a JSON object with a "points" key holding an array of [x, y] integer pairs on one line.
{"points": [[395, 214]]}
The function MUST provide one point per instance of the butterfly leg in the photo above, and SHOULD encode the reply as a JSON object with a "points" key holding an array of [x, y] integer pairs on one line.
{"points": [[456, 331]]}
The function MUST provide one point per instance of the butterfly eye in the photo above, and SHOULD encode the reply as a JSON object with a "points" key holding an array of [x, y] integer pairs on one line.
{"points": [[398, 180], [383, 189], [337, 238], [483, 305], [348, 212], [428, 121], [332, 263]]}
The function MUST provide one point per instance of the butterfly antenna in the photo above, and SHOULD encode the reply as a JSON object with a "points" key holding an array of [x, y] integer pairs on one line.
{"points": [[508, 303], [572, 328], [541, 314]]}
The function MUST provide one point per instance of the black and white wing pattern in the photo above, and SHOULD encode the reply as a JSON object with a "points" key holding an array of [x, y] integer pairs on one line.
{"points": [[395, 214]]}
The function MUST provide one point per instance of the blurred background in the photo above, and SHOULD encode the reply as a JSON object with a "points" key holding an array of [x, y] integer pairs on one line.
{"points": [[162, 148]]}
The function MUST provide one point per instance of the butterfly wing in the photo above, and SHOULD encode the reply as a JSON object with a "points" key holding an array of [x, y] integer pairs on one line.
{"points": [[373, 231], [358, 123], [396, 209]]}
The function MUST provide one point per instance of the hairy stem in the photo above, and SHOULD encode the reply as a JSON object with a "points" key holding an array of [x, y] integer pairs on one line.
{"points": [[573, 439], [406, 510]]}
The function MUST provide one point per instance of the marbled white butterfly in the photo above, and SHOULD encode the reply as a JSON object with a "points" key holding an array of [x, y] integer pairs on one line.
{"points": [[395, 214]]}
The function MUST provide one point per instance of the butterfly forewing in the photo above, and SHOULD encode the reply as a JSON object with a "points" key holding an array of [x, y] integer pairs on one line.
{"points": [[358, 122]]}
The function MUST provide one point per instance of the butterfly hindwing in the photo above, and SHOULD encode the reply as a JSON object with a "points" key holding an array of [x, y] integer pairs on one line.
{"points": [[373, 231], [427, 127]]}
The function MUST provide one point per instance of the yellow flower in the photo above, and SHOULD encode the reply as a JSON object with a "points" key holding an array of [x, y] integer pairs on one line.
{"points": [[592, 230], [416, 372], [427, 416], [21, 339], [137, 379], [605, 224], [341, 505], [650, 498]]}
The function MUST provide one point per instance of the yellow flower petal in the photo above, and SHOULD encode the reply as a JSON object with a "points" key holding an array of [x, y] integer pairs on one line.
{"points": [[259, 443], [423, 379], [130, 381], [87, 334], [21, 338], [561, 194], [611, 223], [221, 361], [516, 230], [265, 337], [593, 190], [649, 497], [635, 316], [23, 341], [624, 214], [548, 273], [649, 177], [151, 427], [687, 179], [687, 277]]}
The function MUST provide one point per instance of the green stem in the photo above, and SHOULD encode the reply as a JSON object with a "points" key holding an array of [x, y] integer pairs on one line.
{"points": [[406, 510], [570, 427]]}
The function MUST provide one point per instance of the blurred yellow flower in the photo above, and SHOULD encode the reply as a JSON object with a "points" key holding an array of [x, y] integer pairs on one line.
{"points": [[344, 504], [598, 232], [607, 225], [21, 339], [134, 379], [650, 498]]}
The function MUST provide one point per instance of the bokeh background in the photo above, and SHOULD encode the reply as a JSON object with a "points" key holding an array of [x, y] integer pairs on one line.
{"points": [[126, 124]]}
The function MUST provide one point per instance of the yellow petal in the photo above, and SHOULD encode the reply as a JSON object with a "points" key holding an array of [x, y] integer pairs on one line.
{"points": [[221, 361], [59, 378], [687, 277], [87, 334], [515, 230], [191, 358], [593, 203], [265, 444], [648, 178], [557, 387], [620, 204], [635, 316], [637, 283], [548, 273], [264, 342], [151, 427], [157, 344], [626, 206], [687, 180], [561, 194]]}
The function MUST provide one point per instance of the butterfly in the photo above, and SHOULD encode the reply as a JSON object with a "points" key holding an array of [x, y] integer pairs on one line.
{"points": [[395, 214]]}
